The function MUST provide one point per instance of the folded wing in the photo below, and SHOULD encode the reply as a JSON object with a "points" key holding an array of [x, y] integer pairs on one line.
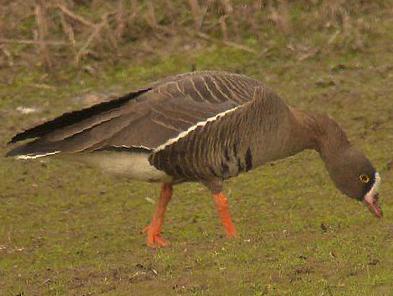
{"points": [[147, 118]]}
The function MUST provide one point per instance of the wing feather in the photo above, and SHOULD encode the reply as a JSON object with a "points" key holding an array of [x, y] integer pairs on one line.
{"points": [[147, 118]]}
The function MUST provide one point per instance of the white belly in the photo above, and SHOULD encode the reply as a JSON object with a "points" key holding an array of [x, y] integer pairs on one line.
{"points": [[134, 165]]}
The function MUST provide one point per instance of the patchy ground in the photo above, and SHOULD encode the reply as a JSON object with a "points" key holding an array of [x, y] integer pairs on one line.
{"points": [[69, 230]]}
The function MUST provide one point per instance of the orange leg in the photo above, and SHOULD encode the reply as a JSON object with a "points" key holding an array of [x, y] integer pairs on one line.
{"points": [[153, 230], [223, 211]]}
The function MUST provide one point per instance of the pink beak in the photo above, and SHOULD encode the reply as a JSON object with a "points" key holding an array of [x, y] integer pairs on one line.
{"points": [[371, 201]]}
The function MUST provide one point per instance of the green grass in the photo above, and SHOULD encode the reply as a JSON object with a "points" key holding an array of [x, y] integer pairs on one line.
{"points": [[69, 230]]}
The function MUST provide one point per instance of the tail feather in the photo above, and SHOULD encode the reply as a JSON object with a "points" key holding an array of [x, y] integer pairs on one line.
{"points": [[33, 149], [71, 118], [73, 131], [81, 141]]}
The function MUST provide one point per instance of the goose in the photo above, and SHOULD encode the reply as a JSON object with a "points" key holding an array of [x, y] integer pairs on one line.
{"points": [[204, 127]]}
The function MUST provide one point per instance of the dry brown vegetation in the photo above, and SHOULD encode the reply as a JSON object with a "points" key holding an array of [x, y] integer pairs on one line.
{"points": [[47, 33]]}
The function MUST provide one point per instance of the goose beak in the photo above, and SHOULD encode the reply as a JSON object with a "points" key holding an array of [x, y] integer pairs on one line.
{"points": [[371, 201]]}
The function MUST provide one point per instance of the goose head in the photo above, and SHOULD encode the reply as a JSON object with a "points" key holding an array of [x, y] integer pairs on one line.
{"points": [[354, 175]]}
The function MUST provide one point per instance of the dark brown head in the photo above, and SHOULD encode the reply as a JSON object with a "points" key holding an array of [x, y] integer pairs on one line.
{"points": [[354, 175]]}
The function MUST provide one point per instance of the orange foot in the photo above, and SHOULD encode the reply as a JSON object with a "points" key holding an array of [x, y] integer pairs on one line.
{"points": [[154, 238]]}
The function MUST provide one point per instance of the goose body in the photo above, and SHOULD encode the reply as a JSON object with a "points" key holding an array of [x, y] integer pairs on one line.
{"points": [[200, 126], [191, 127]]}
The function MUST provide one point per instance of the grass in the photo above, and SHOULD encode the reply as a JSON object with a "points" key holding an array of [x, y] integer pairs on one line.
{"points": [[69, 230]]}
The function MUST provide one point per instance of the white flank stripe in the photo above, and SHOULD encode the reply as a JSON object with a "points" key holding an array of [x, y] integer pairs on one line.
{"points": [[132, 146], [34, 156], [201, 123], [140, 146]]}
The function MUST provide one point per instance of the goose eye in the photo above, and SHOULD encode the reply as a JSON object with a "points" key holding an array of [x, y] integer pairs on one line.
{"points": [[364, 179]]}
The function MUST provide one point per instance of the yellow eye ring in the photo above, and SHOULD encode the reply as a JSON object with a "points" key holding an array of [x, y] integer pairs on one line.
{"points": [[364, 179]]}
